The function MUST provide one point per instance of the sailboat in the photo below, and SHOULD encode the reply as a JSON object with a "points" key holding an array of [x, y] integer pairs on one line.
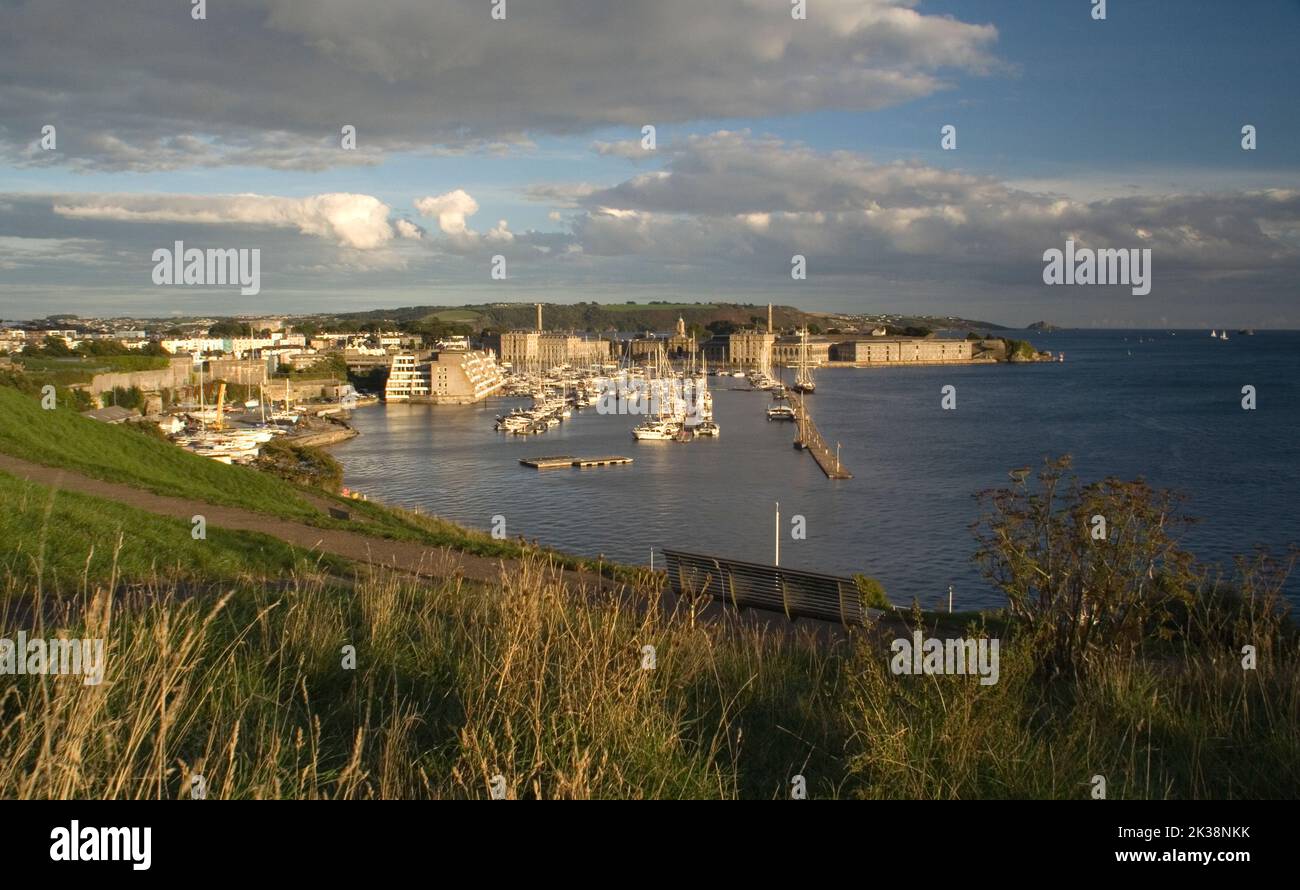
{"points": [[1224, 335], [1214, 335], [803, 381], [704, 404]]}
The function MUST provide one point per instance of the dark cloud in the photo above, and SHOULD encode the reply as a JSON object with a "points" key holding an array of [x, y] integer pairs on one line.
{"points": [[139, 85]]}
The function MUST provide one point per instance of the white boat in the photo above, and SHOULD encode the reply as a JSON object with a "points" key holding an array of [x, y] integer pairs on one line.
{"points": [[1214, 335], [708, 428], [780, 412], [657, 431]]}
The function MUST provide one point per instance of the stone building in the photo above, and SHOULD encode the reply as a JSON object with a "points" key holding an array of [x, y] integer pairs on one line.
{"points": [[539, 350], [786, 351], [751, 349], [681, 343], [903, 350]]}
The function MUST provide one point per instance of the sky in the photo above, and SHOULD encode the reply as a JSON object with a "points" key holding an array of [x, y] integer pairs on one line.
{"points": [[522, 137]]}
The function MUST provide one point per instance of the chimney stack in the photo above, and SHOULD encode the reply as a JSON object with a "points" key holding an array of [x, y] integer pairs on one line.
{"points": [[539, 317], [769, 318]]}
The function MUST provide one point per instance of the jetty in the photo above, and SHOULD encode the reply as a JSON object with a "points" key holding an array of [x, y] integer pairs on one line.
{"points": [[564, 460], [808, 438]]}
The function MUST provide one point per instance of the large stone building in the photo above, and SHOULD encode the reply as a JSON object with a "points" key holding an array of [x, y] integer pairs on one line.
{"points": [[904, 350], [448, 378], [751, 349], [539, 350], [786, 351]]}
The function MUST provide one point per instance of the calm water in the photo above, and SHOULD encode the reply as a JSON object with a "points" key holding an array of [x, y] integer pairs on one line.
{"points": [[1168, 408]]}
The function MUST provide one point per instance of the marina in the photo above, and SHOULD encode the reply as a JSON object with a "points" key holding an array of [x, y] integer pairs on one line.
{"points": [[904, 517]]}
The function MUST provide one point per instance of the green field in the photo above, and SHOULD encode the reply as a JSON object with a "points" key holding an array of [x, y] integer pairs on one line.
{"points": [[57, 541]]}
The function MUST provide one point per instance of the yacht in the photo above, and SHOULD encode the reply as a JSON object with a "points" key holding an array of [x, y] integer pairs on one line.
{"points": [[707, 428], [780, 412], [657, 431]]}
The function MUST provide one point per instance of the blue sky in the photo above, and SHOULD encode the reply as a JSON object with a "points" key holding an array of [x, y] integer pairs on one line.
{"points": [[1126, 120]]}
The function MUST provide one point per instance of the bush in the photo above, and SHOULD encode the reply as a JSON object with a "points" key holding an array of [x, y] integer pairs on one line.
{"points": [[301, 465], [872, 592], [1095, 571]]}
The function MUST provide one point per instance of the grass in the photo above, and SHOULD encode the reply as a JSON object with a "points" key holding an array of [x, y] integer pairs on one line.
{"points": [[62, 371], [60, 541], [118, 453], [114, 453], [455, 684]]}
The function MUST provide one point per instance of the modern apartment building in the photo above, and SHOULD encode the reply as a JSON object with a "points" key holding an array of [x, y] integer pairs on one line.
{"points": [[451, 377]]}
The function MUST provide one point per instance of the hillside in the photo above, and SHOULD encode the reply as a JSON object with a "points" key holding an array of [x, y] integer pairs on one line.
{"points": [[636, 316]]}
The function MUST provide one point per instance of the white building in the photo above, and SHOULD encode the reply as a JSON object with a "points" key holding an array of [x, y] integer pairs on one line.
{"points": [[450, 377]]}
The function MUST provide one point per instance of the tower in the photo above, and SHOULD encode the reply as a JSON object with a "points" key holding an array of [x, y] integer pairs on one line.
{"points": [[539, 317], [769, 318]]}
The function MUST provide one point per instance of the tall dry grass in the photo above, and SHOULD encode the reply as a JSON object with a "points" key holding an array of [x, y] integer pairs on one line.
{"points": [[456, 684]]}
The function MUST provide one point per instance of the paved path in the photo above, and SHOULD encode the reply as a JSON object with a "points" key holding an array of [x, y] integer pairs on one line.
{"points": [[420, 559]]}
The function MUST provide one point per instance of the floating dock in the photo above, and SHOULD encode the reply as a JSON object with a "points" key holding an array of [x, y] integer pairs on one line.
{"points": [[808, 438], [564, 460]]}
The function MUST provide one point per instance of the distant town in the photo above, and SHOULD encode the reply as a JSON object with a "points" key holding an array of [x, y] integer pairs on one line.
{"points": [[225, 387]]}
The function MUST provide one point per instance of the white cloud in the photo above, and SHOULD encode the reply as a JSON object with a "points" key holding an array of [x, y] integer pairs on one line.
{"points": [[453, 210], [356, 221]]}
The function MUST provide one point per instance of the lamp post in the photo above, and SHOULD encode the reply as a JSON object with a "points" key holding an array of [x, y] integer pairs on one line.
{"points": [[777, 536]]}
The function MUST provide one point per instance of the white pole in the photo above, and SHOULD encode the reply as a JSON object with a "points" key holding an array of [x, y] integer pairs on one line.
{"points": [[652, 561], [777, 537], [949, 599]]}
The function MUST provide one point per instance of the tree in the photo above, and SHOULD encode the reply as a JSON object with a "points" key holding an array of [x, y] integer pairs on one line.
{"points": [[227, 329], [1088, 570], [56, 347]]}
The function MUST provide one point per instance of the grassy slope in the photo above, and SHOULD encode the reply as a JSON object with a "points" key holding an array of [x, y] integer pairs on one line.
{"points": [[115, 453], [65, 439], [63, 539]]}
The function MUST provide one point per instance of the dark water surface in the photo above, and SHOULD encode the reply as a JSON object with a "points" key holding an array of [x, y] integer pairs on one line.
{"points": [[1126, 403]]}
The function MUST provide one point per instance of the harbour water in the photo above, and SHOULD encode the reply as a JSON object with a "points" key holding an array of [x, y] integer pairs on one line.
{"points": [[1124, 403]]}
